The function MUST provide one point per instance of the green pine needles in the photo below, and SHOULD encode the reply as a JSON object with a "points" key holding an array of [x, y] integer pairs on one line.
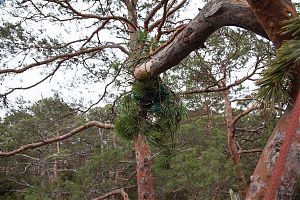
{"points": [[151, 109], [275, 85]]}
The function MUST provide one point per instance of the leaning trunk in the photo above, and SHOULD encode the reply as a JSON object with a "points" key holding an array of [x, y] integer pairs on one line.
{"points": [[271, 14], [260, 180], [144, 169]]}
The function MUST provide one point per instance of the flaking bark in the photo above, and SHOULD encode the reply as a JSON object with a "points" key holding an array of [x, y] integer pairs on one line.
{"points": [[144, 169], [214, 15], [271, 14]]}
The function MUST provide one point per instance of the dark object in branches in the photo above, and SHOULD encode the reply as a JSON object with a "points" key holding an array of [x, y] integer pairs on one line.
{"points": [[151, 109]]}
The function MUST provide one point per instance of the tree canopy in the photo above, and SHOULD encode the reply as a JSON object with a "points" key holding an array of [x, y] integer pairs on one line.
{"points": [[124, 76]]}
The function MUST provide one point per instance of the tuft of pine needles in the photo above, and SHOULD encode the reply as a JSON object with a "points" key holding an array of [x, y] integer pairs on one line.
{"points": [[151, 109], [275, 85]]}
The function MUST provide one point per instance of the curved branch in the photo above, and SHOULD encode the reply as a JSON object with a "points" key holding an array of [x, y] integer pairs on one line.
{"points": [[114, 192], [227, 87], [63, 56], [35, 84], [244, 113], [56, 139], [68, 6], [214, 15], [152, 13], [169, 13]]}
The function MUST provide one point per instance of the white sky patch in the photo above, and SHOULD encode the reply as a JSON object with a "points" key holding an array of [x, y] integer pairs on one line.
{"points": [[55, 84], [89, 92]]}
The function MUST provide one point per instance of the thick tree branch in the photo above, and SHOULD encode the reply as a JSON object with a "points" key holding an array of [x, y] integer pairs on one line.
{"points": [[56, 139], [271, 14], [214, 15]]}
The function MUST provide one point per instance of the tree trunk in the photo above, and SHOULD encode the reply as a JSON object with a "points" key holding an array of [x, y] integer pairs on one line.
{"points": [[232, 147], [263, 171], [271, 14], [144, 169], [56, 176]]}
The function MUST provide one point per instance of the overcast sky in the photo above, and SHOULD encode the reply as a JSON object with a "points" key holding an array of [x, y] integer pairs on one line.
{"points": [[47, 88]]}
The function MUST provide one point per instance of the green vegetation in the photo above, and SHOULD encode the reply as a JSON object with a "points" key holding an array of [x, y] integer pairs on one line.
{"points": [[276, 83], [151, 109], [93, 162]]}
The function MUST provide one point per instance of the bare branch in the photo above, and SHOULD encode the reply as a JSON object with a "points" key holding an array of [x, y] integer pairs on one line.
{"points": [[35, 84], [63, 56], [95, 32], [152, 13], [168, 14], [244, 113], [105, 90], [162, 22], [68, 6], [114, 192], [250, 151], [56, 139]]}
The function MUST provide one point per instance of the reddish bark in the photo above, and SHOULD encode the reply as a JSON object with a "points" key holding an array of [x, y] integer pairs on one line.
{"points": [[232, 147], [271, 14], [144, 175], [263, 172]]}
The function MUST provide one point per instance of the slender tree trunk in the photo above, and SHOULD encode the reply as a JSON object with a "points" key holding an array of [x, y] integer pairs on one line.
{"points": [[234, 152], [55, 167], [100, 131], [56, 177], [208, 114], [144, 162], [270, 14]]}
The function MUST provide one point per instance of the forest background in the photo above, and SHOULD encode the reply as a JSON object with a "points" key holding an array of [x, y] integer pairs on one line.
{"points": [[216, 85]]}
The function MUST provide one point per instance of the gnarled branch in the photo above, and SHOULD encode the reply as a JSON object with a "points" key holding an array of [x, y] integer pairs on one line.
{"points": [[56, 139], [214, 15]]}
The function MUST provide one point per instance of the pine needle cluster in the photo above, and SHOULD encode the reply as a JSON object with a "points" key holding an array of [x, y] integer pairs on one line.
{"points": [[151, 109], [275, 86]]}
